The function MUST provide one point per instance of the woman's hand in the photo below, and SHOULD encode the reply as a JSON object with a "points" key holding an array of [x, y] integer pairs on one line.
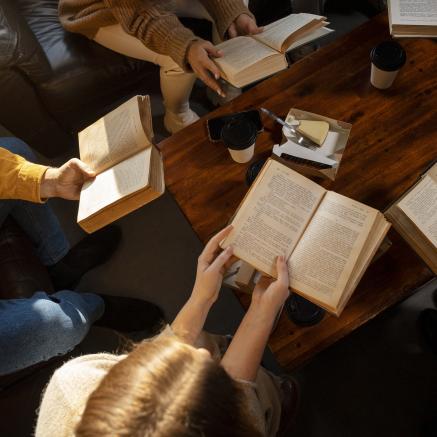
{"points": [[244, 25], [271, 294], [65, 181], [198, 57], [244, 354], [211, 266]]}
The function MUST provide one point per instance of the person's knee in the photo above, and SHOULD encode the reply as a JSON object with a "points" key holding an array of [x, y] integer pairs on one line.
{"points": [[65, 327], [19, 147], [170, 68]]}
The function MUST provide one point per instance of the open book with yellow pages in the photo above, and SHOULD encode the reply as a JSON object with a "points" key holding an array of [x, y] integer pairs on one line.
{"points": [[412, 18], [327, 239], [414, 216], [247, 59], [118, 147]]}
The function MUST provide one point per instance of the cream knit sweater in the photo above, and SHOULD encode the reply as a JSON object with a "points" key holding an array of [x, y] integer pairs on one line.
{"points": [[151, 21], [67, 393]]}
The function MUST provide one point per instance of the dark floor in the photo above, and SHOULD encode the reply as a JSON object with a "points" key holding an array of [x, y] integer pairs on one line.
{"points": [[379, 381]]}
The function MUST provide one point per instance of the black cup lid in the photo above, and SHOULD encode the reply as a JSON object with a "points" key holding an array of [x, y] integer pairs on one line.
{"points": [[239, 134], [388, 56]]}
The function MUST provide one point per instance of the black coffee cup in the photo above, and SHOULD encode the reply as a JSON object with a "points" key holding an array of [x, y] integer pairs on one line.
{"points": [[387, 58], [239, 136]]}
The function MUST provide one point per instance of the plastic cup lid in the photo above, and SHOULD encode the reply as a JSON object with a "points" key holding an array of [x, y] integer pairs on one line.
{"points": [[239, 134], [388, 56]]}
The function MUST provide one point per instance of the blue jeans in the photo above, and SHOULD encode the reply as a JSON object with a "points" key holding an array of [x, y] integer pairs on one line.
{"points": [[41, 327]]}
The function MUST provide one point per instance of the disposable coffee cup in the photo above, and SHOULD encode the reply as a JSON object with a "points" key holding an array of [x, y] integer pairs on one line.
{"points": [[387, 59], [239, 136]]}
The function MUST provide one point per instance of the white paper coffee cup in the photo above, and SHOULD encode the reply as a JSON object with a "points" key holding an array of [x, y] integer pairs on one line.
{"points": [[239, 136], [382, 79], [242, 155], [387, 59]]}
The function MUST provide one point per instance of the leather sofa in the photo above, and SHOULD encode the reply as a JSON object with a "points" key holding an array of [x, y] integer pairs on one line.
{"points": [[54, 83]]}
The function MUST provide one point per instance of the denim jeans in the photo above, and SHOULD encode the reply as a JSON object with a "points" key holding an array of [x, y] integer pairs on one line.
{"points": [[41, 327]]}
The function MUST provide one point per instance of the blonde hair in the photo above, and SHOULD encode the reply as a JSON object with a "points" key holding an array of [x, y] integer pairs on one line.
{"points": [[166, 388]]}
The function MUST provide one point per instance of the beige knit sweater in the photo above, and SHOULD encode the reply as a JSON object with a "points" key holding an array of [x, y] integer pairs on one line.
{"points": [[151, 21], [67, 393]]}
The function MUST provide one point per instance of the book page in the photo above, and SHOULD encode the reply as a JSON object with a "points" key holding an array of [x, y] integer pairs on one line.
{"points": [[276, 34], [373, 249], [146, 116], [240, 53], [113, 184], [114, 137], [273, 216], [420, 205], [413, 12], [323, 260]]}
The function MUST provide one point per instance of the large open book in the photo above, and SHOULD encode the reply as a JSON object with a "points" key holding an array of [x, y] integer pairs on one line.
{"points": [[129, 168], [327, 239], [414, 216], [412, 18], [247, 59]]}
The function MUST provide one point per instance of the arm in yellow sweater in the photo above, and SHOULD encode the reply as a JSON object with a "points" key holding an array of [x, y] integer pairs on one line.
{"points": [[19, 178]]}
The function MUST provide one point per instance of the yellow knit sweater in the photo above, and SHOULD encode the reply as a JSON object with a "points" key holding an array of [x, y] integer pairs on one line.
{"points": [[151, 21], [19, 179]]}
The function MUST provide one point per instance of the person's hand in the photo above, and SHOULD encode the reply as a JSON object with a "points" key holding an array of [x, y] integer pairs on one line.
{"points": [[211, 266], [270, 293], [244, 25], [198, 57], [65, 181]]}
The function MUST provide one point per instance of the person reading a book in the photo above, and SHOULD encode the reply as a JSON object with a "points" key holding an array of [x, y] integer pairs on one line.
{"points": [[183, 382], [43, 326], [150, 30]]}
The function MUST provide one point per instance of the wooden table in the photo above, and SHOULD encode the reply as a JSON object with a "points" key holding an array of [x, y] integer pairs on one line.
{"points": [[394, 137]]}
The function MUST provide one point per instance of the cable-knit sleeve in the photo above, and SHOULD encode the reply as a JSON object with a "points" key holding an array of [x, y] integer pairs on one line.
{"points": [[158, 28]]}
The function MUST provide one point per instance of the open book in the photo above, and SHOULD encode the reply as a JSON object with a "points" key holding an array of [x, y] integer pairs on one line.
{"points": [[327, 239], [247, 59], [414, 216], [412, 18], [129, 168]]}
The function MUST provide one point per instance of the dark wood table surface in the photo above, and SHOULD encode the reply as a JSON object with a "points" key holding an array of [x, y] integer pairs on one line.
{"points": [[393, 138]]}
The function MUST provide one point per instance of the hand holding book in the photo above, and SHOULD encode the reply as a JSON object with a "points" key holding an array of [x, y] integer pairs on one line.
{"points": [[244, 354], [327, 239], [272, 293], [66, 181], [129, 169], [200, 55], [243, 25], [211, 267], [254, 56]]}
